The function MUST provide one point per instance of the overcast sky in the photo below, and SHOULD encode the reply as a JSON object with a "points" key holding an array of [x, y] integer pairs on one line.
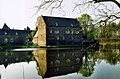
{"points": [[18, 14]]}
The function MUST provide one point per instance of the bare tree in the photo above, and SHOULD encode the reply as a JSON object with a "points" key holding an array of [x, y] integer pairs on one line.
{"points": [[45, 4], [104, 14]]}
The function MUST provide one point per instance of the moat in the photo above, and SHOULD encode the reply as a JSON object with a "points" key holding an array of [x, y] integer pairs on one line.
{"points": [[61, 63]]}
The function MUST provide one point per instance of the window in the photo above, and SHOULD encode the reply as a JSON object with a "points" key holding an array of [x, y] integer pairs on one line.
{"points": [[58, 55], [58, 38], [72, 38], [71, 24], [77, 60], [51, 31], [16, 33], [57, 61], [56, 24], [67, 31], [68, 60], [56, 31], [63, 38], [51, 62], [77, 32], [6, 40], [5, 33], [11, 40]]}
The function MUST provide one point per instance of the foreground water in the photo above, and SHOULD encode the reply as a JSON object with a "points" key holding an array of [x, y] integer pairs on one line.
{"points": [[61, 63]]}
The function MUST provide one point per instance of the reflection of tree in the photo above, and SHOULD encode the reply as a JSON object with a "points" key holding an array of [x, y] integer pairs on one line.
{"points": [[112, 56], [89, 62]]}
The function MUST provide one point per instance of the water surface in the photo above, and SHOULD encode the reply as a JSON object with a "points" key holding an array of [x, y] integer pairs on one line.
{"points": [[60, 63]]}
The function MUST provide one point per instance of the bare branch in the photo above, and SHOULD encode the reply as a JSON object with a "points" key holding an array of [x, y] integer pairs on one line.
{"points": [[106, 18], [82, 4], [103, 15], [114, 1], [46, 4], [57, 5]]}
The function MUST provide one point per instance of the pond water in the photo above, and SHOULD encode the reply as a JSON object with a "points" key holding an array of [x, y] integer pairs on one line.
{"points": [[60, 63]]}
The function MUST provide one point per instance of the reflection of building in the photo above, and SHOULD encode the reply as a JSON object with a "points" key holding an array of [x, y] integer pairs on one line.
{"points": [[58, 62], [13, 37], [9, 57], [57, 31], [40, 56]]}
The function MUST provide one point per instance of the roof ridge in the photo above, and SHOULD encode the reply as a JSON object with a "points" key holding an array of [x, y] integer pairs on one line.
{"points": [[58, 17]]}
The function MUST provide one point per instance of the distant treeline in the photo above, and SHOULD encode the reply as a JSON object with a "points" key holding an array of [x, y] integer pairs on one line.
{"points": [[108, 32]]}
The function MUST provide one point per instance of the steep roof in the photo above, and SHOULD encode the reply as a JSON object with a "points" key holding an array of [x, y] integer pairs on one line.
{"points": [[60, 21], [5, 27]]}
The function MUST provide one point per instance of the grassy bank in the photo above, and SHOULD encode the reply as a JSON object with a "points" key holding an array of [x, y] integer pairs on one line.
{"points": [[111, 43]]}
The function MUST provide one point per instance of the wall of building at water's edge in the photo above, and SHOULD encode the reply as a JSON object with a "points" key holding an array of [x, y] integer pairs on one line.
{"points": [[40, 36]]}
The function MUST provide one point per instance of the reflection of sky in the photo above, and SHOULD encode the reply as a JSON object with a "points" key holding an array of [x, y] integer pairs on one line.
{"points": [[15, 71], [103, 70], [69, 76], [106, 71]]}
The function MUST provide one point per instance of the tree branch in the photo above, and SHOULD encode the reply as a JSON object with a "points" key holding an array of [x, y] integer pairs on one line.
{"points": [[114, 1]]}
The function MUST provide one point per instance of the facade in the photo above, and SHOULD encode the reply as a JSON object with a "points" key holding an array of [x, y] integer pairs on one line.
{"points": [[58, 31], [14, 37]]}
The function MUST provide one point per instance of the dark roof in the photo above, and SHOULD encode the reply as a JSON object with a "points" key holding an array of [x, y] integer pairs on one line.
{"points": [[5, 27], [28, 28], [60, 21]]}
